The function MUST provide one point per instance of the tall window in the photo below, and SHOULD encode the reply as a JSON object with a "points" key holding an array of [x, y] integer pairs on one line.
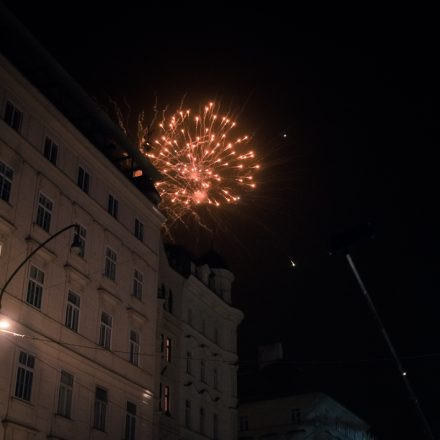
{"points": [[215, 378], [202, 421], [138, 230], [188, 414], [25, 375], [35, 287], [72, 311], [130, 422], [203, 327], [6, 176], [134, 347], [50, 150], [65, 394], [188, 362], [13, 116], [80, 236], [190, 316], [168, 350], [100, 409], [105, 333], [215, 427], [162, 342], [83, 180], [202, 370], [110, 264], [138, 281], [216, 335], [44, 213], [113, 206], [166, 399]]}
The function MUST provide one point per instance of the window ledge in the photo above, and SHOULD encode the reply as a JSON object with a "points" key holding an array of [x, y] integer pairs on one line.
{"points": [[6, 227], [45, 253]]}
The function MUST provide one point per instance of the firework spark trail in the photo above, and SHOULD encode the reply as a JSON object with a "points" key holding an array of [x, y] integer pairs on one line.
{"points": [[200, 162]]}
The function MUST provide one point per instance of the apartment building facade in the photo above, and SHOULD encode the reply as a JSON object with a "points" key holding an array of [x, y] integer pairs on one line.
{"points": [[78, 355], [197, 339]]}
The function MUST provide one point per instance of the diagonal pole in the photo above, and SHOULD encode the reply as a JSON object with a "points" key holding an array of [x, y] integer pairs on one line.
{"points": [[427, 428]]}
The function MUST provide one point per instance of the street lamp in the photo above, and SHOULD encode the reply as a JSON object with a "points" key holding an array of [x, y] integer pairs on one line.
{"points": [[76, 247]]}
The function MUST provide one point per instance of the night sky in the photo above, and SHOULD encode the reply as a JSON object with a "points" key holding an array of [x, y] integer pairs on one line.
{"points": [[356, 93]]}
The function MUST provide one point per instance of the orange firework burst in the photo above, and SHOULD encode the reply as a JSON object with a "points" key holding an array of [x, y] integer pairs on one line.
{"points": [[200, 161]]}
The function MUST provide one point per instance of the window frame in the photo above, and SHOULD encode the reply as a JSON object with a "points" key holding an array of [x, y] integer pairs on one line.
{"points": [[12, 119], [105, 331], [6, 181], [135, 345], [73, 312], [83, 180], [100, 409], [65, 396], [138, 284], [138, 229], [44, 213], [37, 287], [130, 421], [24, 376], [49, 148], [113, 206], [110, 264]]}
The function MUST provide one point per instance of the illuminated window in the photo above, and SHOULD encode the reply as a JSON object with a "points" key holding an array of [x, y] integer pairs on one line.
{"points": [[138, 230], [50, 150], [83, 180], [13, 117], [65, 394], [6, 176], [105, 332], [113, 206], [35, 287], [166, 399], [100, 409], [80, 236], [134, 347], [168, 350], [138, 282], [25, 375], [110, 264], [72, 311], [44, 212], [130, 422]]}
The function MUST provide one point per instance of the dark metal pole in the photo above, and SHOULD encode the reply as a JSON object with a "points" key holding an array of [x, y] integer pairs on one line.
{"points": [[74, 225], [402, 372]]}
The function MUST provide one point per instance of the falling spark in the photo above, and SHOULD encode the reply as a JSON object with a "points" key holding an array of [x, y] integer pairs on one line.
{"points": [[201, 162]]}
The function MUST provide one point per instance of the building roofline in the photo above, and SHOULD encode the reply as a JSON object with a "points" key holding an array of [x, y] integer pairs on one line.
{"points": [[23, 50]]}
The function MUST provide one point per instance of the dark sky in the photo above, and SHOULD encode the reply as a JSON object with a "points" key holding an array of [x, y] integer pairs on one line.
{"points": [[357, 93]]}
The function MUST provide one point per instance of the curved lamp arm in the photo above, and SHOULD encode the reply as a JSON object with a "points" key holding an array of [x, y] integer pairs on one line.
{"points": [[74, 225]]}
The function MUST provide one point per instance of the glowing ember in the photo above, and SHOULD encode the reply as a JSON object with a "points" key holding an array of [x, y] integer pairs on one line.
{"points": [[200, 161]]}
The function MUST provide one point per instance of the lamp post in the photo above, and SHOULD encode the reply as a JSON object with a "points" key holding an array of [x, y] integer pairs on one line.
{"points": [[76, 245], [342, 244]]}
